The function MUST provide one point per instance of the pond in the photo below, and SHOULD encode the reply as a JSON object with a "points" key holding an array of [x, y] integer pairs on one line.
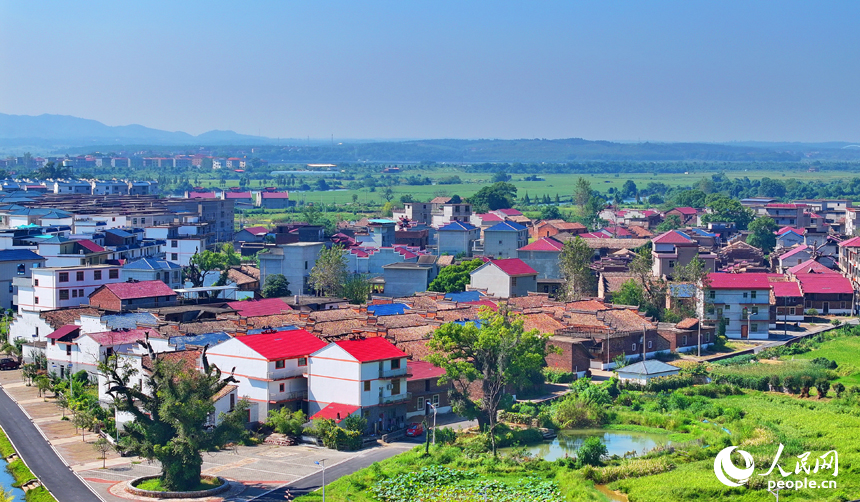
{"points": [[6, 481], [617, 442]]}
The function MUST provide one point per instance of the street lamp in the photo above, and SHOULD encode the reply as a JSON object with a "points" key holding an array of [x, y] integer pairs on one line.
{"points": [[428, 403], [322, 463]]}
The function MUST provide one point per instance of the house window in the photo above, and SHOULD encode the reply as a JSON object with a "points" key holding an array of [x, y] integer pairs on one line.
{"points": [[97, 275], [420, 404], [68, 349], [745, 294], [752, 294], [79, 276], [707, 337], [279, 365], [306, 265], [712, 294], [843, 305], [395, 387], [64, 277], [21, 269], [435, 399], [755, 311], [303, 361], [37, 300], [134, 221], [684, 342], [367, 386], [81, 293], [113, 273], [649, 343], [671, 264], [64, 294], [791, 311], [174, 256], [74, 293], [513, 282], [35, 282], [426, 385], [728, 307], [634, 348], [754, 327], [281, 388], [395, 364], [174, 244]]}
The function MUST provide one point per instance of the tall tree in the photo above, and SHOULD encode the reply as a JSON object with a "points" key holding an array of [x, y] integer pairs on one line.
{"points": [[762, 234], [171, 410], [454, 278], [276, 286], [499, 354], [582, 192], [575, 266], [724, 209], [499, 195], [357, 289], [329, 273]]}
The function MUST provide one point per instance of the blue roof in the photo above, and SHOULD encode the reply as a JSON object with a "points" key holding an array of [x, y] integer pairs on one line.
{"points": [[457, 226], [210, 339], [380, 221], [130, 320], [278, 329], [19, 255], [388, 309], [651, 367], [465, 296], [151, 264], [506, 226], [699, 231], [118, 232]]}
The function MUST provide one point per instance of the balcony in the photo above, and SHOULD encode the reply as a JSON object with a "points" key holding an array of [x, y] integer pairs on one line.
{"points": [[395, 399], [292, 396], [385, 374], [285, 373]]}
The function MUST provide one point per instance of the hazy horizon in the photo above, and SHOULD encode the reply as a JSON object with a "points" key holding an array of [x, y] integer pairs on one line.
{"points": [[660, 72]]}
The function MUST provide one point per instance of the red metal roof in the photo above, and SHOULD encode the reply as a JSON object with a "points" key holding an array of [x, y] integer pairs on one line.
{"points": [[490, 217], [784, 230], [283, 344], [257, 230], [275, 195], [754, 280], [510, 212], [336, 411], [63, 331], [672, 237], [237, 195], [824, 283], [514, 267], [255, 308], [371, 349], [90, 246], [688, 211], [422, 370], [810, 266], [141, 289], [543, 244], [853, 242], [201, 195], [783, 287], [794, 251]]}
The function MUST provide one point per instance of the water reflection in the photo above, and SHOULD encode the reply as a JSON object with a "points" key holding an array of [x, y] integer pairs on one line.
{"points": [[619, 443], [6, 481]]}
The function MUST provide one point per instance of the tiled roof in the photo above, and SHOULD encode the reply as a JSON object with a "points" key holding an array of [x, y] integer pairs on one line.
{"points": [[416, 349], [458, 314], [402, 321], [68, 329], [529, 301], [123, 337], [210, 339], [753, 280], [283, 344], [810, 266], [141, 289], [240, 278], [336, 411], [19, 255], [464, 296], [254, 308], [625, 320], [274, 320], [337, 328], [335, 315], [187, 358], [688, 323], [411, 333], [672, 237], [589, 305], [422, 370], [824, 283], [440, 200], [543, 244], [640, 232], [61, 317], [484, 303], [201, 327], [457, 226], [506, 226], [371, 349], [513, 267], [541, 322]]}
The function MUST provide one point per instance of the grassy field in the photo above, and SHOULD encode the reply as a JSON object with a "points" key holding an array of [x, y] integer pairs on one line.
{"points": [[846, 352]]}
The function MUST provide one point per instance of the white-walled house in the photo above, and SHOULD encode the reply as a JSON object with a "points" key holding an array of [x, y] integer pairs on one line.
{"points": [[52, 288], [367, 376], [507, 278], [84, 351], [270, 367], [743, 300]]}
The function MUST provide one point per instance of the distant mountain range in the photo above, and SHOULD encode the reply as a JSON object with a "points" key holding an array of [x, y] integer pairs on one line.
{"points": [[65, 134], [57, 131]]}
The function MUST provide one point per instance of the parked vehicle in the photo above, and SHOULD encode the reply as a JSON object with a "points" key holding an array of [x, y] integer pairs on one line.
{"points": [[415, 429], [8, 363]]}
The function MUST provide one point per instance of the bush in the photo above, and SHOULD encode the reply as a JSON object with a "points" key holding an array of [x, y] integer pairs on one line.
{"points": [[445, 435], [661, 384], [591, 451], [285, 421], [556, 375]]}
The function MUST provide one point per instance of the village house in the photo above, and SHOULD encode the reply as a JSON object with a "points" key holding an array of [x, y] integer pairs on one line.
{"points": [[741, 301], [422, 384], [505, 278], [675, 249], [504, 239], [122, 296]]}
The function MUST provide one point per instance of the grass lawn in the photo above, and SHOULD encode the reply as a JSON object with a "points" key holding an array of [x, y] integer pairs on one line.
{"points": [[154, 485], [846, 352]]}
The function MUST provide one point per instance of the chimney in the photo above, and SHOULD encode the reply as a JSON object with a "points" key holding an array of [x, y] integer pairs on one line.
{"points": [[303, 314], [338, 415], [371, 320]]}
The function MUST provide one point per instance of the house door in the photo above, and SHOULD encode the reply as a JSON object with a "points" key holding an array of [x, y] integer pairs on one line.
{"points": [[745, 333], [826, 307]]}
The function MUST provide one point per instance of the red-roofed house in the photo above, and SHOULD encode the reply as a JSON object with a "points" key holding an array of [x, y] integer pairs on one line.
{"points": [[274, 200], [548, 228], [121, 296], [200, 195], [742, 301], [369, 373], [687, 215], [271, 368], [787, 300], [675, 249], [849, 260], [507, 278], [827, 293], [423, 386], [71, 350], [251, 234], [542, 255]]}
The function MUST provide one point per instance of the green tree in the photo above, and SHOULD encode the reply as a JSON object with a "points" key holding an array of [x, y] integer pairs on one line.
{"points": [[201, 265], [630, 293], [499, 195], [454, 278], [276, 286], [575, 265], [591, 451], [550, 213], [582, 193], [671, 222], [388, 194], [762, 234], [357, 289], [728, 210], [329, 273], [501, 176], [286, 421], [170, 423], [499, 354], [629, 190], [689, 198]]}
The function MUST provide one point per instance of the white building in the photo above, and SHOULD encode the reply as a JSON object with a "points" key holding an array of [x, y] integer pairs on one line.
{"points": [[367, 376], [52, 288], [741, 300], [178, 246], [271, 368], [505, 278]]}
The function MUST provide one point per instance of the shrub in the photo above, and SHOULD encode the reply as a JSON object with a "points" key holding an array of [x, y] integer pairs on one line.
{"points": [[556, 375], [445, 435], [775, 383], [285, 421], [661, 384], [823, 386], [630, 469], [839, 389], [591, 451]]}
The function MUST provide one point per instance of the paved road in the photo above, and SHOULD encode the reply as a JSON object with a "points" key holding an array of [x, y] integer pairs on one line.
{"points": [[39, 455], [314, 481]]}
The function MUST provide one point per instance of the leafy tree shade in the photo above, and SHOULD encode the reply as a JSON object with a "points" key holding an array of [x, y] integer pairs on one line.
{"points": [[52, 171], [276, 286], [500, 355], [689, 198], [671, 222], [550, 213], [357, 289], [454, 278], [499, 195], [286, 421], [329, 273], [575, 265], [728, 210], [201, 265], [762, 234], [591, 451], [171, 410], [630, 293], [629, 190]]}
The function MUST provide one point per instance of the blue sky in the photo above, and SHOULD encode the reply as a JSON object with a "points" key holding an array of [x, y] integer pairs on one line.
{"points": [[657, 70]]}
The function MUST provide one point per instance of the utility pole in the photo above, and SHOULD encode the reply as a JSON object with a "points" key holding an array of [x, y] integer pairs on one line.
{"points": [[322, 463]]}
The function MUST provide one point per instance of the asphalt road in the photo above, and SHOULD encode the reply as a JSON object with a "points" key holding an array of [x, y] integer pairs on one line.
{"points": [[39, 456], [314, 481]]}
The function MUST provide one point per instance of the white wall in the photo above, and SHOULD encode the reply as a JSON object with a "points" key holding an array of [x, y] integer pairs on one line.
{"points": [[334, 377]]}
